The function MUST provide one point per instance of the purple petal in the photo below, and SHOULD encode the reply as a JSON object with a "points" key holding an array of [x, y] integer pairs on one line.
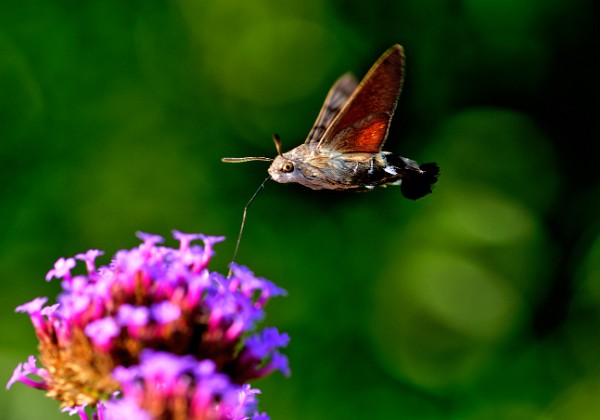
{"points": [[30, 366], [77, 410], [164, 365], [90, 257], [185, 239], [247, 394], [260, 345], [205, 368], [74, 305], [62, 269], [281, 363], [125, 376], [102, 331], [33, 306], [124, 409], [150, 239], [135, 316], [129, 261], [23, 369], [164, 312], [237, 404], [249, 283], [209, 241], [50, 310], [16, 376]]}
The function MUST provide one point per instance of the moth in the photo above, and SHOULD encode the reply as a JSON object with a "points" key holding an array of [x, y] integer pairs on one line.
{"points": [[343, 150]]}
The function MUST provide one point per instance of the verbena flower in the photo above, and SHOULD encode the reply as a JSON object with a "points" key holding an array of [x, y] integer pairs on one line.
{"points": [[154, 335]]}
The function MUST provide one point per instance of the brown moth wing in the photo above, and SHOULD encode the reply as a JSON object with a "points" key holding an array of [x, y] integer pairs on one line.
{"points": [[362, 124], [336, 98]]}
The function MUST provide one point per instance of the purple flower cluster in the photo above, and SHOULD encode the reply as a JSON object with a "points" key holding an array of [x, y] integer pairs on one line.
{"points": [[154, 335]]}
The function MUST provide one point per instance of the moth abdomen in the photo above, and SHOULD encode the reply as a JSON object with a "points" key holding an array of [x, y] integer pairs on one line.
{"points": [[417, 184]]}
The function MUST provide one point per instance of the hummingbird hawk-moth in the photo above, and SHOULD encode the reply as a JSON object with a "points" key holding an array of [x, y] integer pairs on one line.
{"points": [[343, 150]]}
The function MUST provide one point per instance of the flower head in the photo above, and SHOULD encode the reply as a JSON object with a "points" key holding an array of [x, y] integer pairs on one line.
{"points": [[158, 329], [193, 390]]}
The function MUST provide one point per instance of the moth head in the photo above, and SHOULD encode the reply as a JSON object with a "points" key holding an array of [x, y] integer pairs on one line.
{"points": [[282, 169]]}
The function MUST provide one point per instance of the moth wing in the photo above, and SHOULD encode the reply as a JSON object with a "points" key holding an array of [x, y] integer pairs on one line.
{"points": [[336, 99], [362, 124]]}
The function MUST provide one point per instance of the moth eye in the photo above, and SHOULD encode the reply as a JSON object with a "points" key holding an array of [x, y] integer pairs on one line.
{"points": [[287, 167]]}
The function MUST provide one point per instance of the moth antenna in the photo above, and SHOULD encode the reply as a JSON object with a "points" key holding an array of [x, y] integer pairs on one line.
{"points": [[277, 142], [245, 159], [239, 239]]}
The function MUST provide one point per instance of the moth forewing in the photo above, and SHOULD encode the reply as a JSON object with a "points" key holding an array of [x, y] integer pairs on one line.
{"points": [[377, 93], [336, 98]]}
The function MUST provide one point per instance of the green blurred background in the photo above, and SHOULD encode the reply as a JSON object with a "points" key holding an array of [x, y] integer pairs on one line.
{"points": [[480, 301]]}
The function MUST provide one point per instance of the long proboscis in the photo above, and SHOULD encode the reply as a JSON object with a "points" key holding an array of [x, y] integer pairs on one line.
{"points": [[245, 213], [277, 142]]}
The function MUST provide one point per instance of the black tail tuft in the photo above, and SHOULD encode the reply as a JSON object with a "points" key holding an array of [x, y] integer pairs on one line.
{"points": [[418, 184]]}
